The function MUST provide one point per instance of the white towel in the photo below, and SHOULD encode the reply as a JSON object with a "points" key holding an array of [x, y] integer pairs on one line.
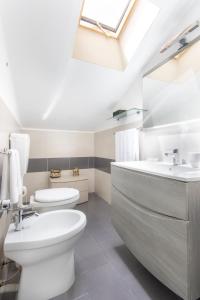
{"points": [[16, 187], [5, 178], [21, 142], [127, 145]]}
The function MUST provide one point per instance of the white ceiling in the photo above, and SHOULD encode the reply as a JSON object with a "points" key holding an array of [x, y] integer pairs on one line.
{"points": [[39, 37]]}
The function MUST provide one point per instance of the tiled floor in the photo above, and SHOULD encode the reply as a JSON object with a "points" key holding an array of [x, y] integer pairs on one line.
{"points": [[105, 269]]}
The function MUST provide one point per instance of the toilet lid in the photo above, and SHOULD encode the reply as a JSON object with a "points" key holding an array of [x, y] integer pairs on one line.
{"points": [[55, 195]]}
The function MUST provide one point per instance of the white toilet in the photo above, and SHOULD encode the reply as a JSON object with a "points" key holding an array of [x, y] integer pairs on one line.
{"points": [[54, 199]]}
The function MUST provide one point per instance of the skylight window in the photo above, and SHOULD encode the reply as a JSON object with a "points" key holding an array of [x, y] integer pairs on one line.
{"points": [[106, 15]]}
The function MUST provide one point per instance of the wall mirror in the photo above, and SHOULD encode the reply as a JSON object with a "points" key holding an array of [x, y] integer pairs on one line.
{"points": [[171, 92]]}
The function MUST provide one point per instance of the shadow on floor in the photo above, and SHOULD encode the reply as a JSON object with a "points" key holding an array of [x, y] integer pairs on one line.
{"points": [[153, 288]]}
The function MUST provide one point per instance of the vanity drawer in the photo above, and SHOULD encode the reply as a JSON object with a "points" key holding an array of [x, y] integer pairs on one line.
{"points": [[158, 194], [158, 242]]}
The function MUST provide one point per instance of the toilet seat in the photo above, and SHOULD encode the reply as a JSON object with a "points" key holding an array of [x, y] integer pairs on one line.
{"points": [[55, 197]]}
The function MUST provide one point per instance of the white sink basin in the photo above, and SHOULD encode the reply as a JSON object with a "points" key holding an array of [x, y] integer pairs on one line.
{"points": [[45, 250], [180, 172]]}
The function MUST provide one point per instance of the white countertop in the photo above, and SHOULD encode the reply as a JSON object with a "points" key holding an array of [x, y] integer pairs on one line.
{"points": [[181, 172]]}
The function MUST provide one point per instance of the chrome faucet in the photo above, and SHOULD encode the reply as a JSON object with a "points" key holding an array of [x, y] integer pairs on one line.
{"points": [[175, 155], [21, 213]]}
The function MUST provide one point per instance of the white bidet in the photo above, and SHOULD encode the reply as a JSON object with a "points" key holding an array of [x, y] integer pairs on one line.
{"points": [[45, 250]]}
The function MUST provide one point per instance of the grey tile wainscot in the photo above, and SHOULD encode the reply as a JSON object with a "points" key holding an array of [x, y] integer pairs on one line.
{"points": [[37, 165], [58, 163], [91, 162], [103, 164], [79, 162], [67, 163]]}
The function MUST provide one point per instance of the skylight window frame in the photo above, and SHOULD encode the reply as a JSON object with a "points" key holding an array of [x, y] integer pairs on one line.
{"points": [[105, 29]]}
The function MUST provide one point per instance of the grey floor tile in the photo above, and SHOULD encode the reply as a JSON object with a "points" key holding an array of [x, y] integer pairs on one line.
{"points": [[123, 261], [84, 297], [90, 263], [104, 237], [96, 210], [78, 290], [136, 278], [104, 283], [66, 297], [87, 246], [147, 287]]}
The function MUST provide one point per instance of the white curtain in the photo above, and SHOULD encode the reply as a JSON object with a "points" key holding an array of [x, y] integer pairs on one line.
{"points": [[127, 145]]}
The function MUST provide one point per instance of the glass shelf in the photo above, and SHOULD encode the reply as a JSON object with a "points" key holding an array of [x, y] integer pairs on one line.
{"points": [[128, 112]]}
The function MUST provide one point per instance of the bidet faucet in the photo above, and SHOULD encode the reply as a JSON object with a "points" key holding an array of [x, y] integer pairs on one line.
{"points": [[22, 213], [175, 156]]}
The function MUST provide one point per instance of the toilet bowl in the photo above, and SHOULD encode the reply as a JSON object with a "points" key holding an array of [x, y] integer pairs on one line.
{"points": [[45, 250], [54, 199]]}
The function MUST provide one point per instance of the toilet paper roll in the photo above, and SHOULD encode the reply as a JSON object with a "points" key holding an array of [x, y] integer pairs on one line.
{"points": [[5, 203]]}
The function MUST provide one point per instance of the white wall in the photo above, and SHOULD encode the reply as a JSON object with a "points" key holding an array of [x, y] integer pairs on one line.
{"points": [[132, 98], [105, 148], [7, 125], [6, 86], [8, 122], [105, 138], [103, 185], [55, 143], [8, 111]]}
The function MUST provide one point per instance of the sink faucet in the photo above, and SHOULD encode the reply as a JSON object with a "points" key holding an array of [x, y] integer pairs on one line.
{"points": [[175, 156], [22, 213], [19, 212]]}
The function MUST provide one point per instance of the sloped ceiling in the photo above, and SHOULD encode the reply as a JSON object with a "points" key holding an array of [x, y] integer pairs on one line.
{"points": [[52, 89]]}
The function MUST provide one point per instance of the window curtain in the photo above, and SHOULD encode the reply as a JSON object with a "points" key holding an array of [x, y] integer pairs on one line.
{"points": [[127, 145]]}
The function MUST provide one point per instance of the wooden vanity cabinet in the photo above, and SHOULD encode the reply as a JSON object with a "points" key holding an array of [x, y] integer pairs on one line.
{"points": [[159, 220]]}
